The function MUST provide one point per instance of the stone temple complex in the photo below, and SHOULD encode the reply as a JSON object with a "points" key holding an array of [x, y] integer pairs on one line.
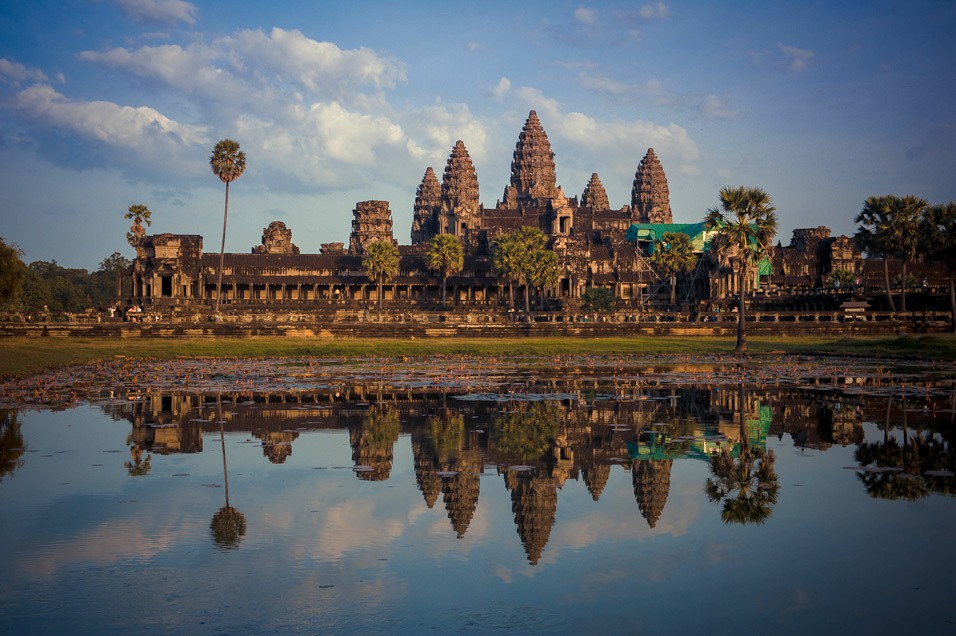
{"points": [[597, 246]]}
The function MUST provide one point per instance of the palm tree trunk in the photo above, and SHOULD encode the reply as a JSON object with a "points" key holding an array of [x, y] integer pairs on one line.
{"points": [[527, 298], [886, 279], [952, 299], [741, 307], [380, 294], [444, 284], [673, 289], [222, 251], [903, 282], [511, 293]]}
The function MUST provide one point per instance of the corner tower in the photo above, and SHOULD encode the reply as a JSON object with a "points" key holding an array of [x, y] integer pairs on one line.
{"points": [[650, 197], [459, 194]]}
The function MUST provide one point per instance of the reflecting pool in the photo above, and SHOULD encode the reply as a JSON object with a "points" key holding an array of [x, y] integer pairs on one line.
{"points": [[465, 496]]}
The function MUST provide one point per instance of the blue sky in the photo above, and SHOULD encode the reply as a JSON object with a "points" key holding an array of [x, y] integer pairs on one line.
{"points": [[107, 103]]}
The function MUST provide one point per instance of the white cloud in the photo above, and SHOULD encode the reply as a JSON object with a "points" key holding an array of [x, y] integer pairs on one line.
{"points": [[15, 73], [798, 58], [585, 16], [501, 89], [106, 122], [161, 11], [654, 11], [651, 89], [716, 108]]}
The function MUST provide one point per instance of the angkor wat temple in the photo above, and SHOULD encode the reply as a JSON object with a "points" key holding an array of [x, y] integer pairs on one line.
{"points": [[597, 246]]}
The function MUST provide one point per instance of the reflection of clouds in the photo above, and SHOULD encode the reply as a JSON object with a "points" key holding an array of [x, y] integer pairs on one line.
{"points": [[351, 526], [137, 539]]}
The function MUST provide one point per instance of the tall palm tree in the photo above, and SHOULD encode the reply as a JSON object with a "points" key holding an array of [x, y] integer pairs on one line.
{"points": [[673, 254], [380, 263], [139, 214], [938, 238], [445, 256], [889, 226], [744, 226], [228, 163]]}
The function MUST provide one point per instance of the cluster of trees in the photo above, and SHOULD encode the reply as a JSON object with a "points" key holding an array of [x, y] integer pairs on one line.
{"points": [[46, 284], [908, 228]]}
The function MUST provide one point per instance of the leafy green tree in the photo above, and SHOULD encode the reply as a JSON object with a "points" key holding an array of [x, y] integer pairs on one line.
{"points": [[938, 238], [889, 226], [446, 256], [12, 272], [840, 279], [381, 262], [744, 226], [228, 163], [674, 254], [139, 214], [115, 267], [597, 299]]}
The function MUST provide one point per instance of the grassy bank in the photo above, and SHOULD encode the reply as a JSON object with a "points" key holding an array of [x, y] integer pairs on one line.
{"points": [[23, 356]]}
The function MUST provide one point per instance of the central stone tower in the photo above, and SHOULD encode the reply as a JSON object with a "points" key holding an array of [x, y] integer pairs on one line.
{"points": [[532, 166]]}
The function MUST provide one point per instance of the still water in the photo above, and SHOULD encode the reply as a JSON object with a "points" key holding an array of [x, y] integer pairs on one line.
{"points": [[528, 501]]}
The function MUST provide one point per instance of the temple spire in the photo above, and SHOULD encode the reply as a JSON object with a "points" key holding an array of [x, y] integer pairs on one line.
{"points": [[650, 198], [532, 166], [427, 206], [595, 195]]}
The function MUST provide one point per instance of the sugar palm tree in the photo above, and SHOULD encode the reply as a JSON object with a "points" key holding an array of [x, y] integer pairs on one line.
{"points": [[380, 263], [228, 163], [889, 226], [743, 227], [545, 271], [445, 256], [673, 254], [938, 238], [139, 214], [516, 255]]}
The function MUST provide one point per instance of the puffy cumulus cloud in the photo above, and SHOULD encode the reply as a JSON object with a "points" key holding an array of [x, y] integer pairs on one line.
{"points": [[160, 11], [797, 59], [436, 129], [596, 136], [585, 15], [259, 71], [138, 128], [499, 90], [714, 107], [317, 66], [15, 73]]}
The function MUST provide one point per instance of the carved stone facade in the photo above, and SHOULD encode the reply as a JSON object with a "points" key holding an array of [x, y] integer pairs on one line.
{"points": [[650, 196], [593, 241], [372, 222], [276, 239]]}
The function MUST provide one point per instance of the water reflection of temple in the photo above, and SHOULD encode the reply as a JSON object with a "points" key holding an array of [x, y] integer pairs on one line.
{"points": [[535, 446]]}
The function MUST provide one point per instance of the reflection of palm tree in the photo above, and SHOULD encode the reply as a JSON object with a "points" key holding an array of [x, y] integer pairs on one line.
{"points": [[11, 443], [137, 466], [746, 484], [909, 470], [228, 524]]}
